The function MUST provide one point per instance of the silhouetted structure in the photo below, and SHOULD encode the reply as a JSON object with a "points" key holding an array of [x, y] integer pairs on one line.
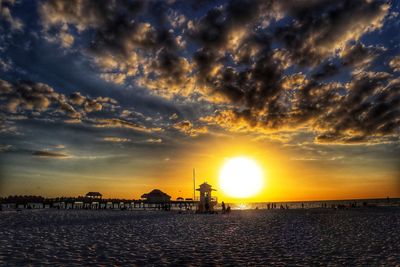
{"points": [[206, 203], [84, 202], [96, 195], [156, 196]]}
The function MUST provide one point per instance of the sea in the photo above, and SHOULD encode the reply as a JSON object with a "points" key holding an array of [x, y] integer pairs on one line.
{"points": [[373, 202]]}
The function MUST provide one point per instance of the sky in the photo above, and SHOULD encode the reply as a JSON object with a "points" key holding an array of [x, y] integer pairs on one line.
{"points": [[122, 97]]}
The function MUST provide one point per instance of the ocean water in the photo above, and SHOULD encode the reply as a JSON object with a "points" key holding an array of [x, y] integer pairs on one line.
{"points": [[317, 204]]}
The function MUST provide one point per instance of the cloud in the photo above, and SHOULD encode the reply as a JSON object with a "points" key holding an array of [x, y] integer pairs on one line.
{"points": [[121, 42], [73, 121], [119, 123], [4, 148], [359, 55], [5, 14], [8, 127], [174, 116], [260, 65], [187, 128], [168, 74], [394, 63], [218, 28], [116, 139], [29, 96], [63, 38], [320, 158], [369, 109], [320, 28], [154, 140], [49, 154], [365, 110], [5, 65], [77, 99], [5, 87], [117, 78]]}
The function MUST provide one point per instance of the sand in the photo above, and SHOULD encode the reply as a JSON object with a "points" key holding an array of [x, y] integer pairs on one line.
{"points": [[363, 236]]}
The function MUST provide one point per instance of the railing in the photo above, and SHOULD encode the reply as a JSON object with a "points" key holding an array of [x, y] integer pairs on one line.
{"points": [[213, 199]]}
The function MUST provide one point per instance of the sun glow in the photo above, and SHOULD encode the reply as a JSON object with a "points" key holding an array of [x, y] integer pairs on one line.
{"points": [[241, 177]]}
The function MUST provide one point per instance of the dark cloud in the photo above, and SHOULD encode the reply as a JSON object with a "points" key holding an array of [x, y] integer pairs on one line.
{"points": [[394, 63], [25, 96], [121, 41], [214, 29], [120, 123], [369, 109], [319, 28], [5, 87], [77, 98], [49, 154], [15, 24], [359, 55], [264, 97], [188, 128], [238, 56]]}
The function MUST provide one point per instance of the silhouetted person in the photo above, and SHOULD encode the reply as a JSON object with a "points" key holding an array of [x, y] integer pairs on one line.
{"points": [[302, 205], [228, 209]]}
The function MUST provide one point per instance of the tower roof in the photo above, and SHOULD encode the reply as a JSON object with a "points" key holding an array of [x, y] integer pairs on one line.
{"points": [[205, 187]]}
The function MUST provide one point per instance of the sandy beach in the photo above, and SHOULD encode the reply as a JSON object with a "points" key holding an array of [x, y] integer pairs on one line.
{"points": [[363, 236]]}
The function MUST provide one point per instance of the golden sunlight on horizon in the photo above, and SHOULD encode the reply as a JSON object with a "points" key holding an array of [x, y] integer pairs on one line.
{"points": [[285, 178]]}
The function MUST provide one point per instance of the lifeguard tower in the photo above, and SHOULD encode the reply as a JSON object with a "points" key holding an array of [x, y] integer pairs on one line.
{"points": [[206, 203]]}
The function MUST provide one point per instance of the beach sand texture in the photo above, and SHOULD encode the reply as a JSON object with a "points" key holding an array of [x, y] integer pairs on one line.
{"points": [[362, 236]]}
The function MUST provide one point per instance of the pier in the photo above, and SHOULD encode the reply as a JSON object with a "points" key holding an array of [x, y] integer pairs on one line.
{"points": [[32, 202]]}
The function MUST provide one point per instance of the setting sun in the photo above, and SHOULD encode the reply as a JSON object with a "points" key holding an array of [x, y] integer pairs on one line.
{"points": [[241, 177]]}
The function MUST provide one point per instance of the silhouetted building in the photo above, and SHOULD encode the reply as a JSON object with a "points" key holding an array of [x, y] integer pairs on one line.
{"points": [[156, 196], [94, 195], [207, 202]]}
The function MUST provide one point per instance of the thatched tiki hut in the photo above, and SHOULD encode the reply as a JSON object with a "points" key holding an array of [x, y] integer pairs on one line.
{"points": [[156, 196]]}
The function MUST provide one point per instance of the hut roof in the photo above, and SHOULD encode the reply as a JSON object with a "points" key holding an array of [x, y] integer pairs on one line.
{"points": [[205, 187], [155, 193]]}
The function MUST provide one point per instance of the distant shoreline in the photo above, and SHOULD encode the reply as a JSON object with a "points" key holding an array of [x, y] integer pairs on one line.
{"points": [[82, 203]]}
